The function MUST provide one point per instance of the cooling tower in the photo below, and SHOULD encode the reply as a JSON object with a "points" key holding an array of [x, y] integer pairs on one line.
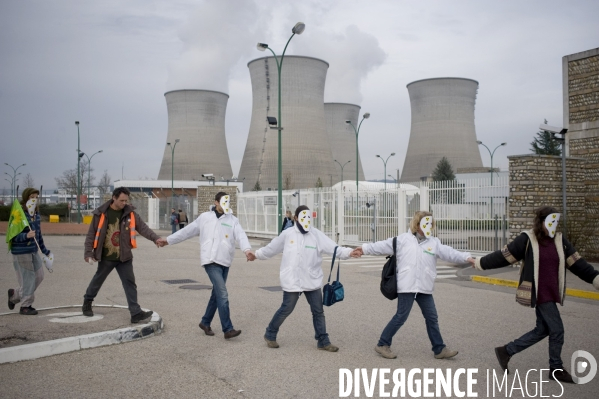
{"points": [[306, 150], [197, 119], [343, 138], [442, 126]]}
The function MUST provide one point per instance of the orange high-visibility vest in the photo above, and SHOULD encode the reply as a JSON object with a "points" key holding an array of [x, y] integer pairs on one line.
{"points": [[131, 227]]}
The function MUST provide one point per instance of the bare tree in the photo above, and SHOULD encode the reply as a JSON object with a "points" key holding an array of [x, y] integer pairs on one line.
{"points": [[68, 181], [288, 181], [104, 183], [28, 180]]}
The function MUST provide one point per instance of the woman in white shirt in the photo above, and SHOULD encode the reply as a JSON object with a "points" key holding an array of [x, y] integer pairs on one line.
{"points": [[416, 253], [301, 272]]}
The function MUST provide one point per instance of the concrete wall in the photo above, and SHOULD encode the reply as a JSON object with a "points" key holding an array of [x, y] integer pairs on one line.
{"points": [[343, 139], [581, 117], [306, 151], [197, 118], [442, 126]]}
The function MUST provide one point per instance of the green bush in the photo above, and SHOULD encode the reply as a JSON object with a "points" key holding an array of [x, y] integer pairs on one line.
{"points": [[46, 210], [4, 213]]}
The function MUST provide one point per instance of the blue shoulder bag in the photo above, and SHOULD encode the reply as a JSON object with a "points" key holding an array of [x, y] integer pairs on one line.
{"points": [[332, 293]]}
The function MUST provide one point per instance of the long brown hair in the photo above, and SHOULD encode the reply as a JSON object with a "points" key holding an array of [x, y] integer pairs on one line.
{"points": [[540, 216]]}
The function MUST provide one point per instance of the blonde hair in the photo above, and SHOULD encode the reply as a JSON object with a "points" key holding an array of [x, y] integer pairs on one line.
{"points": [[418, 215]]}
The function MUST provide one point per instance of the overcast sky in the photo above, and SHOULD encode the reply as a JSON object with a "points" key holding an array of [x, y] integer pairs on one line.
{"points": [[108, 64]]}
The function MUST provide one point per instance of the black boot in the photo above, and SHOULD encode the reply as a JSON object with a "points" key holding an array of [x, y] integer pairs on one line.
{"points": [[503, 357], [87, 308], [560, 375]]}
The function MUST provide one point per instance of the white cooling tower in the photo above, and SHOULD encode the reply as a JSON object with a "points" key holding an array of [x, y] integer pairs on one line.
{"points": [[342, 137]]}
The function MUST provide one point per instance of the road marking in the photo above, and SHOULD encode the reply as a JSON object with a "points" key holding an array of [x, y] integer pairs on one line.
{"points": [[72, 317]]}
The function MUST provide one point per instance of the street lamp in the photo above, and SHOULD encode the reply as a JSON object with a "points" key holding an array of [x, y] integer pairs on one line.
{"points": [[78, 174], [394, 179], [342, 166], [173, 167], [14, 179], [491, 154], [89, 167], [556, 130], [385, 163], [357, 131], [298, 29]]}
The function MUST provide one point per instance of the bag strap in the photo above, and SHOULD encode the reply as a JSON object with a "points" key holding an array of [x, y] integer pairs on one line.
{"points": [[332, 265], [525, 251], [394, 246]]}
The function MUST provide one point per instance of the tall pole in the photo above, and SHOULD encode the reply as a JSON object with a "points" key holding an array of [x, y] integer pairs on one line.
{"points": [[14, 179], [297, 29], [385, 163], [342, 166], [89, 167], [357, 131], [491, 154], [565, 228], [78, 175], [173, 168]]}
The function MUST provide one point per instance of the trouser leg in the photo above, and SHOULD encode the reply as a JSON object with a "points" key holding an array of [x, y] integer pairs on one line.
{"points": [[30, 274], [125, 271], [530, 338], [104, 269], [429, 311], [219, 298], [314, 299], [404, 306], [289, 302]]}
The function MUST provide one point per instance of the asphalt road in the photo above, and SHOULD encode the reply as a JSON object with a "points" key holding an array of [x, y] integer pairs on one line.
{"points": [[183, 362]]}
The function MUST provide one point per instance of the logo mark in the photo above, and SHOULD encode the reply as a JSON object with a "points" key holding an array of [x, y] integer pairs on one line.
{"points": [[580, 366]]}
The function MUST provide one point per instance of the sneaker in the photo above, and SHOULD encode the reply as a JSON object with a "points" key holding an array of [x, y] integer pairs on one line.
{"points": [[87, 309], [329, 348], [271, 344], [207, 330], [561, 375], [11, 305], [385, 351], [136, 318], [232, 334], [446, 354], [28, 311], [503, 357]]}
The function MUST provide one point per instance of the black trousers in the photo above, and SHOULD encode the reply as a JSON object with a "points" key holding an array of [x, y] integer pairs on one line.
{"points": [[125, 271]]}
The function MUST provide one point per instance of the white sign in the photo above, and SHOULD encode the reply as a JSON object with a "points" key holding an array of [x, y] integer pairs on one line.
{"points": [[270, 200]]}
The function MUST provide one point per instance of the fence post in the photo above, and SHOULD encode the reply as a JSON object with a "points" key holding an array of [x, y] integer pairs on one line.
{"points": [[424, 201], [495, 243], [341, 214], [401, 210]]}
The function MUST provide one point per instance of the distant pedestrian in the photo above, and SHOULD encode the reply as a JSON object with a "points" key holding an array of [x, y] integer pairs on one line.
{"points": [[182, 219], [174, 220], [301, 273], [416, 253], [219, 230], [287, 221], [24, 244], [546, 255], [111, 237]]}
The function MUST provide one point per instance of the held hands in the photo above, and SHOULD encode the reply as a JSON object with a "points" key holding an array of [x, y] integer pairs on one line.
{"points": [[357, 253], [472, 261], [249, 255], [161, 242]]}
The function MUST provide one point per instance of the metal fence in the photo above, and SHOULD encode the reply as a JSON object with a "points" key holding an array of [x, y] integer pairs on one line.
{"points": [[469, 214]]}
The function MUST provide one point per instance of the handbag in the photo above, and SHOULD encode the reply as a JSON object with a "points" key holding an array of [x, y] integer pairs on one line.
{"points": [[389, 275], [524, 291], [333, 292]]}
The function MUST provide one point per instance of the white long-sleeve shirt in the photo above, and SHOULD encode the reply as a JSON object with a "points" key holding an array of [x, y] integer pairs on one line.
{"points": [[301, 266], [416, 263], [217, 237]]}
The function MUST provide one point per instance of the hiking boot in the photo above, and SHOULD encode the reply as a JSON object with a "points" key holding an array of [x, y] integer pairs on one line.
{"points": [[385, 351], [11, 305], [271, 344], [232, 334], [329, 348], [560, 375], [503, 357], [446, 354], [28, 311], [207, 330], [87, 309], [136, 318]]}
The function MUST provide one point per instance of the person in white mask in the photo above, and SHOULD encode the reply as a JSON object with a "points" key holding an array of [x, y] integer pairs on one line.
{"points": [[219, 230], [302, 246], [546, 255], [417, 252], [25, 248]]}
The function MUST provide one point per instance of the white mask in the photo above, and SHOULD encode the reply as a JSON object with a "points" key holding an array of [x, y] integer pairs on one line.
{"points": [[551, 222], [426, 224], [225, 203], [31, 205], [305, 220]]}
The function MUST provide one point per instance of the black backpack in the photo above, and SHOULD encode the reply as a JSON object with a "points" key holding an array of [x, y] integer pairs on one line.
{"points": [[389, 277]]}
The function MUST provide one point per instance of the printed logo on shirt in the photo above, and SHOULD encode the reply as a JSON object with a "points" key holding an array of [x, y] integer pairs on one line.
{"points": [[308, 246], [228, 225], [428, 251]]}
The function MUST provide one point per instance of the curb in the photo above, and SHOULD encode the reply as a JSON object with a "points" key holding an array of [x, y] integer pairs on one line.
{"points": [[513, 283], [80, 342]]}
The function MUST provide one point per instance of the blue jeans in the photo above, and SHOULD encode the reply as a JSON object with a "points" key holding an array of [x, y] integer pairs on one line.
{"points": [[174, 228], [314, 298], [549, 323], [429, 311], [219, 299]]}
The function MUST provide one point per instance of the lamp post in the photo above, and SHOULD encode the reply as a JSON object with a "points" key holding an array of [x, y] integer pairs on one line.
{"points": [[491, 154], [89, 167], [14, 178], [297, 29], [173, 166], [78, 174], [342, 166], [385, 163], [357, 131], [394, 179]]}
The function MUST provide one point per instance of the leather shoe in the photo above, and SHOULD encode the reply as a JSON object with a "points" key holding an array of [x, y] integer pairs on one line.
{"points": [[232, 334], [11, 305], [207, 330], [503, 357], [561, 375]]}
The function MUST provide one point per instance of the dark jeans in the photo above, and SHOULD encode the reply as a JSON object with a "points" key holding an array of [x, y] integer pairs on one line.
{"points": [[429, 311], [174, 228], [219, 299], [125, 271], [314, 298], [549, 323]]}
